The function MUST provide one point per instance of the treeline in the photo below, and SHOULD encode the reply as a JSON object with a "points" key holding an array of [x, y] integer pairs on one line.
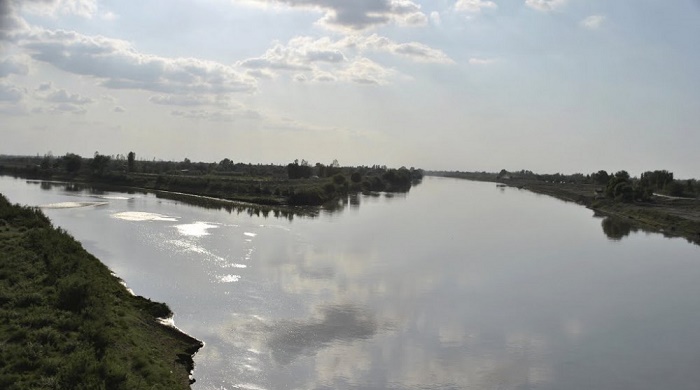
{"points": [[66, 322], [619, 186], [294, 184], [622, 187]]}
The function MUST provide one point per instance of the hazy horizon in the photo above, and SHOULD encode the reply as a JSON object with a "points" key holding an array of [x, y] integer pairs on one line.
{"points": [[471, 85]]}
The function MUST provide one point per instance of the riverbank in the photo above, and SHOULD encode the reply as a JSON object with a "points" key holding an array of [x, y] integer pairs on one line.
{"points": [[66, 322], [266, 185], [671, 217]]}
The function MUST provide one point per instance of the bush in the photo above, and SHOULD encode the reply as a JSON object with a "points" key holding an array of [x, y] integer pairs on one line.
{"points": [[339, 179], [73, 294]]}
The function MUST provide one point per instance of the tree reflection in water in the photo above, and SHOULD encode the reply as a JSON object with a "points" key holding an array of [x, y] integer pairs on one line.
{"points": [[617, 228]]}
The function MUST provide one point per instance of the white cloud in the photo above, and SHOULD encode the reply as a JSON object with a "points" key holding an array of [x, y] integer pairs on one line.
{"points": [[435, 18], [10, 93], [545, 5], [298, 54], [412, 50], [420, 52], [83, 8], [322, 76], [13, 65], [10, 22], [118, 65], [44, 87], [61, 101], [327, 60], [260, 74], [366, 71], [593, 22], [67, 108], [119, 109], [358, 15], [62, 96], [474, 6]]}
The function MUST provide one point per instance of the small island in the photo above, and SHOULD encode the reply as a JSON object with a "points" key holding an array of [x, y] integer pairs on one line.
{"points": [[67, 322], [295, 184]]}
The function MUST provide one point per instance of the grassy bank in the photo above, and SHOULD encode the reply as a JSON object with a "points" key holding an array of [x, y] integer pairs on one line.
{"points": [[67, 323], [672, 217]]}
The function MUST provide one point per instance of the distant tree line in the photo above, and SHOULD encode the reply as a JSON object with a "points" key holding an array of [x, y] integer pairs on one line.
{"points": [[297, 183], [618, 186]]}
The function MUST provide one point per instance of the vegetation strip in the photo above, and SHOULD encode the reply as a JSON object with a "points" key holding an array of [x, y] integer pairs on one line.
{"points": [[675, 214], [296, 184], [66, 322]]}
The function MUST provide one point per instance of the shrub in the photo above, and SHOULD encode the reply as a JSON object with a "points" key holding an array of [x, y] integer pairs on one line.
{"points": [[73, 293]]}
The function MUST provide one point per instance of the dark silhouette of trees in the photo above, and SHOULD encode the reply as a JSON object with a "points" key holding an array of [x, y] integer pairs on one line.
{"points": [[72, 162], [297, 171], [131, 161], [622, 175], [99, 164], [226, 165], [601, 177], [656, 180]]}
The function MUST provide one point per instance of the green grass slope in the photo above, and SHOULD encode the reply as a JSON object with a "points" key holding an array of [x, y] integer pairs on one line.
{"points": [[67, 323]]}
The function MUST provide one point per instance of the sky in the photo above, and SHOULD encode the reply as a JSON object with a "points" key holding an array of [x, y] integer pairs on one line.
{"points": [[471, 85]]}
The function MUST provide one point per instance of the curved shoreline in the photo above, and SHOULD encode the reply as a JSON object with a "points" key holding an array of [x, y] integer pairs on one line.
{"points": [[668, 216], [90, 328]]}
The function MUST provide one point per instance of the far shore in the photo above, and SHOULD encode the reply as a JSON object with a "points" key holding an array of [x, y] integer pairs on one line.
{"points": [[670, 216]]}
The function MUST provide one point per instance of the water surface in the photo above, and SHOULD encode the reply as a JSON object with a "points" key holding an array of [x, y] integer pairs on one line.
{"points": [[456, 284]]}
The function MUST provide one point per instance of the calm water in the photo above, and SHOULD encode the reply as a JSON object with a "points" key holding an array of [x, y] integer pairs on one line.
{"points": [[457, 284]]}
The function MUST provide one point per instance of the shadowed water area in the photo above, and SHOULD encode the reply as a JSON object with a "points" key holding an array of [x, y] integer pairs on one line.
{"points": [[455, 285]]}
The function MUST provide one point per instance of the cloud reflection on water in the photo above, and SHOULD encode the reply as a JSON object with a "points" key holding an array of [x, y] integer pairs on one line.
{"points": [[335, 323]]}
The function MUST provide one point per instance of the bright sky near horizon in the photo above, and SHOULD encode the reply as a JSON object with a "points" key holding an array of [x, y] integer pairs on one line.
{"points": [[545, 85]]}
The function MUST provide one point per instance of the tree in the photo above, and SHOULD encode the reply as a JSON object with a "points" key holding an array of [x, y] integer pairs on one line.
{"points": [[131, 161], [320, 170], [226, 165], [601, 177], [99, 163], [296, 171], [624, 192], [339, 179], [45, 163], [612, 190], [72, 162], [622, 175]]}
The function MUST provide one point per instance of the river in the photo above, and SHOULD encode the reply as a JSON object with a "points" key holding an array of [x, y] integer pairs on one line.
{"points": [[455, 285]]}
